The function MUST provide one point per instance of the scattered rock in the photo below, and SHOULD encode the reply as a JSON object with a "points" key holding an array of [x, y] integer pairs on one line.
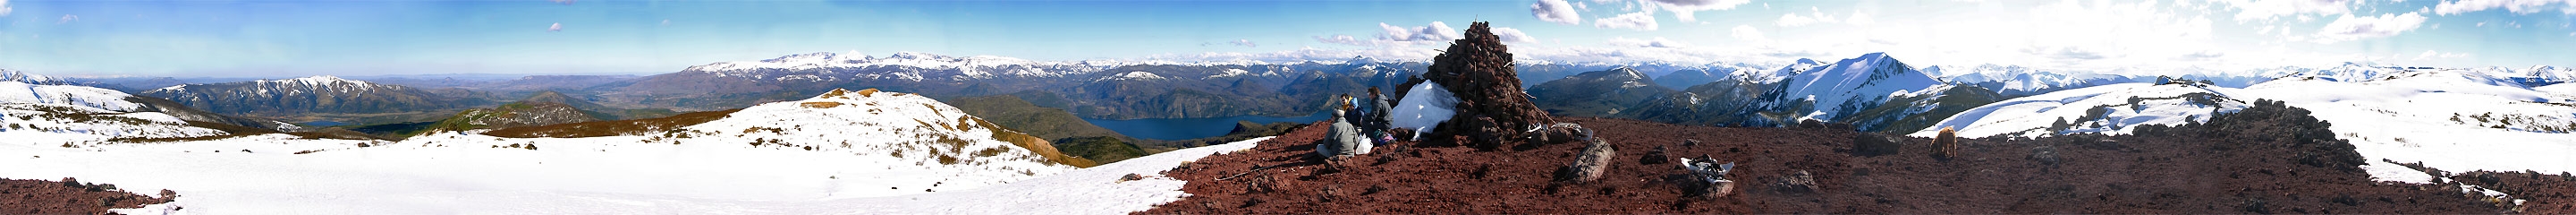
{"points": [[1560, 133], [1131, 177], [1800, 182], [1654, 157], [1589, 165], [2045, 155]]}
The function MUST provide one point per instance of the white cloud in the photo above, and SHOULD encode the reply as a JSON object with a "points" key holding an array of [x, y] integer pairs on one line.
{"points": [[1858, 18], [2200, 56], [1510, 35], [1747, 33], [1344, 40], [67, 18], [4, 7], [2265, 10], [1306, 53], [1245, 43], [1391, 35], [1658, 42], [1792, 19], [557, 27], [1685, 10], [1641, 20], [1437, 31], [2434, 55], [1556, 11], [2354, 28], [2515, 6], [2069, 53]]}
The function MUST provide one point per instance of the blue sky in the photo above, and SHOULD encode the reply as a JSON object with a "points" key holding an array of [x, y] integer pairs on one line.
{"points": [[271, 38]]}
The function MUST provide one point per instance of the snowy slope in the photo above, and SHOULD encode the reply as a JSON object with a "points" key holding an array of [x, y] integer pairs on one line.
{"points": [[77, 113], [2452, 119], [2409, 117], [261, 175], [2112, 109], [30, 78], [1851, 83], [708, 168]]}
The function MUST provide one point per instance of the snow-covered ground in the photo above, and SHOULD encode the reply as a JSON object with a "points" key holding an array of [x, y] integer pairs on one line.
{"points": [[840, 153], [2453, 119], [567, 176], [77, 114], [2110, 109], [2410, 118]]}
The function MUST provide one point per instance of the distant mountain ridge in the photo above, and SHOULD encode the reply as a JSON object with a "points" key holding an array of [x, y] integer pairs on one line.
{"points": [[1868, 91], [316, 94]]}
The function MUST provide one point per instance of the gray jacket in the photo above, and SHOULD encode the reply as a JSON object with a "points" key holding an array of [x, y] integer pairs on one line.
{"points": [[1345, 139]]}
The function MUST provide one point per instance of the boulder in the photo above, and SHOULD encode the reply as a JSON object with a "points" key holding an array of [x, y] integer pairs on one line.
{"points": [[1588, 166], [1654, 157], [1800, 182], [1870, 144]]}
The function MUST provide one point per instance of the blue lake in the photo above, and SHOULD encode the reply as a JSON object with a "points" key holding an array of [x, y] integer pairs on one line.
{"points": [[1192, 128]]}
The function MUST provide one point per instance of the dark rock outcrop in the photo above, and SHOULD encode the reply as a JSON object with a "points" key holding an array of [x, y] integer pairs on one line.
{"points": [[1491, 105]]}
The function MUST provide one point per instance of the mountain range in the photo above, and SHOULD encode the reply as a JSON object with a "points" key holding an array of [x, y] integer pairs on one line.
{"points": [[300, 97]]}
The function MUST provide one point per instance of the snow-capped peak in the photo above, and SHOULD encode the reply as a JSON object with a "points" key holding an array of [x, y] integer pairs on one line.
{"points": [[817, 57], [1135, 75], [29, 78], [1868, 79], [1230, 72], [318, 80]]}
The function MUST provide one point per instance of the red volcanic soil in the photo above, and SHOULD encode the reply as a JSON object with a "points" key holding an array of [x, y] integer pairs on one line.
{"points": [[24, 196], [2271, 162]]}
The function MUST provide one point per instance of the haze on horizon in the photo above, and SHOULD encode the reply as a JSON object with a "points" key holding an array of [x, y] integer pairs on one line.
{"points": [[220, 38]]}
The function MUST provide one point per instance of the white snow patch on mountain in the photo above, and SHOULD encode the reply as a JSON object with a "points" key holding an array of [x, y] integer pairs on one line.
{"points": [[1869, 79], [67, 114], [1132, 76], [91, 97], [755, 161], [1229, 72], [2103, 109], [2453, 119], [2409, 117]]}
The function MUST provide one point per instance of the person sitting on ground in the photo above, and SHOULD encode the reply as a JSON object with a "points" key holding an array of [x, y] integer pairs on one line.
{"points": [[1344, 139]]}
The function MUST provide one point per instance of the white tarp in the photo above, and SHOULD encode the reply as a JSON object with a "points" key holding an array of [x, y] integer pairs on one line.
{"points": [[1424, 107]]}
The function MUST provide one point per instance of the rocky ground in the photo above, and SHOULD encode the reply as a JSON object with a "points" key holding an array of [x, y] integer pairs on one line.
{"points": [[2266, 161], [27, 196]]}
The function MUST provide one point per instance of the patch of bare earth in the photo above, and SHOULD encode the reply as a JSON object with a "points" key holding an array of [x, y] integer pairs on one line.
{"points": [[2270, 162], [27, 196]]}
